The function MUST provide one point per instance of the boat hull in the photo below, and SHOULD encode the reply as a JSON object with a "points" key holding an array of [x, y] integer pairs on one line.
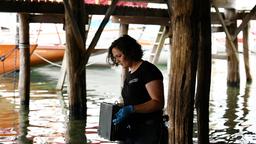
{"points": [[10, 57]]}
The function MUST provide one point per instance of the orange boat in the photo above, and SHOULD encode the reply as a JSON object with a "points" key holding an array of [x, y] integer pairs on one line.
{"points": [[10, 60]]}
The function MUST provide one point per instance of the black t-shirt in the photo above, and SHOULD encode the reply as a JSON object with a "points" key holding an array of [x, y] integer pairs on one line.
{"points": [[134, 90]]}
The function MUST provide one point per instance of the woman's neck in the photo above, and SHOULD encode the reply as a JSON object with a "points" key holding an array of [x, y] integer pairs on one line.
{"points": [[135, 66]]}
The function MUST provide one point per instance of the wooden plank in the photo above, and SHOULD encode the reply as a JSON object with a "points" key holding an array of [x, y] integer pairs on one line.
{"points": [[91, 9], [141, 20], [245, 21], [46, 18], [217, 29], [31, 7]]}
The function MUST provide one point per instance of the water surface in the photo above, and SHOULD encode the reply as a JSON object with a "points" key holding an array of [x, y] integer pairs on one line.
{"points": [[232, 110]]}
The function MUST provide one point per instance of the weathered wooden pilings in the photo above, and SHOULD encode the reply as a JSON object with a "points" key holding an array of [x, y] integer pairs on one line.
{"points": [[75, 21], [233, 77], [246, 54], [180, 105], [203, 73], [24, 74]]}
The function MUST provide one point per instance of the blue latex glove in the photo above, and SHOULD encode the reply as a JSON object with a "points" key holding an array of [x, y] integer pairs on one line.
{"points": [[122, 114]]}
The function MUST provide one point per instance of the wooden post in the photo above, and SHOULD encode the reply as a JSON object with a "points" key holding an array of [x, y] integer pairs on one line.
{"points": [[229, 39], [23, 125], [204, 73], [76, 132], [24, 75], [246, 54], [76, 75], [233, 62], [180, 105]]}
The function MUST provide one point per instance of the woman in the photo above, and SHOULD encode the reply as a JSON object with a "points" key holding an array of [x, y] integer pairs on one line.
{"points": [[142, 93]]}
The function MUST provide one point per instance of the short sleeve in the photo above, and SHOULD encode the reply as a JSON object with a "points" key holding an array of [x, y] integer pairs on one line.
{"points": [[151, 72]]}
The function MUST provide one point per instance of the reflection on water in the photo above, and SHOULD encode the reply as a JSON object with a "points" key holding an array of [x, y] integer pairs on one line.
{"points": [[232, 110], [47, 120]]}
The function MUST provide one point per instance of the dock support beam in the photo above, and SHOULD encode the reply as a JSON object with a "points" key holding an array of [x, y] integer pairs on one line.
{"points": [[24, 74], [75, 21], [246, 54], [233, 78]]}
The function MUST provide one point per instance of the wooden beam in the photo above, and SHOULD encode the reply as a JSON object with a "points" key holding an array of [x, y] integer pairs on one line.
{"points": [[217, 29], [91, 9], [233, 47], [244, 23], [99, 31], [46, 18], [141, 20]]}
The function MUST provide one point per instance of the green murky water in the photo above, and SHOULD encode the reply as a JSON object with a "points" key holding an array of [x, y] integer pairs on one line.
{"points": [[232, 110]]}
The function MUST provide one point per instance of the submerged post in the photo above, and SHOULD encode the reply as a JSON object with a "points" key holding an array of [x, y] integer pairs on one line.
{"points": [[180, 104], [75, 21], [24, 74], [233, 78], [246, 54]]}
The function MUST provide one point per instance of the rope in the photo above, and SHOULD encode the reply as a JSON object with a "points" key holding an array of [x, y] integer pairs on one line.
{"points": [[58, 34], [44, 59], [3, 57], [38, 33]]}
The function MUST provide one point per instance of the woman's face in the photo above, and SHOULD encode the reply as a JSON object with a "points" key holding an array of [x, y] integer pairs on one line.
{"points": [[120, 58]]}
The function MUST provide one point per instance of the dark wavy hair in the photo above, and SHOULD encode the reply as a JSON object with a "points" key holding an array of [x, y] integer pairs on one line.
{"points": [[128, 46]]}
